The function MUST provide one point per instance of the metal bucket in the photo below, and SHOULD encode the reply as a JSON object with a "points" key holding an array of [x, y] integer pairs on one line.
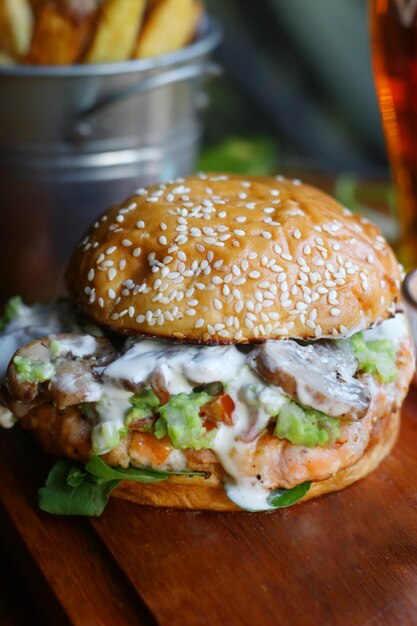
{"points": [[75, 139]]}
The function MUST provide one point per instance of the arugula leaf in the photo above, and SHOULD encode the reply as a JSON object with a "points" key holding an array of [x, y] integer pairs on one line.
{"points": [[100, 470], [76, 476], [279, 498], [60, 497], [72, 489]]}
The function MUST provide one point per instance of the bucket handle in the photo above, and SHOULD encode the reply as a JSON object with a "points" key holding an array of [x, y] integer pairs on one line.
{"points": [[82, 127]]}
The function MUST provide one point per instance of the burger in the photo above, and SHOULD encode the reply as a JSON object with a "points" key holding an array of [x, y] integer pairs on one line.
{"points": [[229, 343]]}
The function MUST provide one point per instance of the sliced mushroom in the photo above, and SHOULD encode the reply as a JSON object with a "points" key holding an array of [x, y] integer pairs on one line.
{"points": [[78, 346], [76, 363], [318, 375], [23, 390], [74, 382]]}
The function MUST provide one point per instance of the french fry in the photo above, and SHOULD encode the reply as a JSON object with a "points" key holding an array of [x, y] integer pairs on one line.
{"points": [[60, 37], [169, 25], [16, 27], [118, 22]]}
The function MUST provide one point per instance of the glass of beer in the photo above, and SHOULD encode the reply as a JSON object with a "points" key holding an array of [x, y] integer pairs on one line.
{"points": [[394, 48]]}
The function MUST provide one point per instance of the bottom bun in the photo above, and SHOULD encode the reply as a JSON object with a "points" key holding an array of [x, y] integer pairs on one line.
{"points": [[207, 494]]}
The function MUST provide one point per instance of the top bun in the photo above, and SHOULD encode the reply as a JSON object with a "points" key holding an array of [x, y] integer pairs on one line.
{"points": [[218, 259]]}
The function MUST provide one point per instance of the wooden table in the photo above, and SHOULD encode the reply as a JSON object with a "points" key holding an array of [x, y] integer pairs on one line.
{"points": [[345, 559]]}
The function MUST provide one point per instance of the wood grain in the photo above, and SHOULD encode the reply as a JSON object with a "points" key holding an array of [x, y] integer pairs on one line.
{"points": [[347, 559]]}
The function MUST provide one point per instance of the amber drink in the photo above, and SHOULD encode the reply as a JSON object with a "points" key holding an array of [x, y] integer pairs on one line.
{"points": [[394, 46]]}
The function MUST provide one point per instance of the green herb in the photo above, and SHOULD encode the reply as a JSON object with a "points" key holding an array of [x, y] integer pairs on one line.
{"points": [[279, 498], [97, 468], [375, 357], [76, 476], [33, 371], [306, 427], [180, 419], [213, 389], [104, 437], [11, 310], [67, 492], [144, 404], [72, 489], [55, 348]]}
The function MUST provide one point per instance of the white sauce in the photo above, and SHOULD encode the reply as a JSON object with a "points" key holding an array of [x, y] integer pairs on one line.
{"points": [[7, 419], [199, 364], [80, 346], [69, 383], [249, 494], [396, 328], [113, 405]]}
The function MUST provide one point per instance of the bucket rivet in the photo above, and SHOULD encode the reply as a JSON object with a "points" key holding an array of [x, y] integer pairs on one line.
{"points": [[83, 130]]}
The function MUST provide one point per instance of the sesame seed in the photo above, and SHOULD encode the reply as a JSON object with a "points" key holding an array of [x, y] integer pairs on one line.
{"points": [[126, 243], [239, 233], [266, 234], [254, 274], [241, 219], [335, 312], [297, 234], [199, 323], [90, 275], [111, 273], [163, 240], [243, 195], [217, 304], [108, 251], [111, 293], [120, 219]]}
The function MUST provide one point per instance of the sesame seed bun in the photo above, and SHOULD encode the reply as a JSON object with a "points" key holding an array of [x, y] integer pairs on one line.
{"points": [[216, 259]]}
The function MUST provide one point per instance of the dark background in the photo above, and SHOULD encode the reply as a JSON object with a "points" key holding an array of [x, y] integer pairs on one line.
{"points": [[298, 79]]}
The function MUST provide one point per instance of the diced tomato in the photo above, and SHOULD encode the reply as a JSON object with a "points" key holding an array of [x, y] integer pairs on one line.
{"points": [[158, 386], [144, 425], [220, 409]]}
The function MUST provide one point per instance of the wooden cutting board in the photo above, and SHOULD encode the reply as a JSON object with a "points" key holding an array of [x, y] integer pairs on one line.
{"points": [[345, 559]]}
